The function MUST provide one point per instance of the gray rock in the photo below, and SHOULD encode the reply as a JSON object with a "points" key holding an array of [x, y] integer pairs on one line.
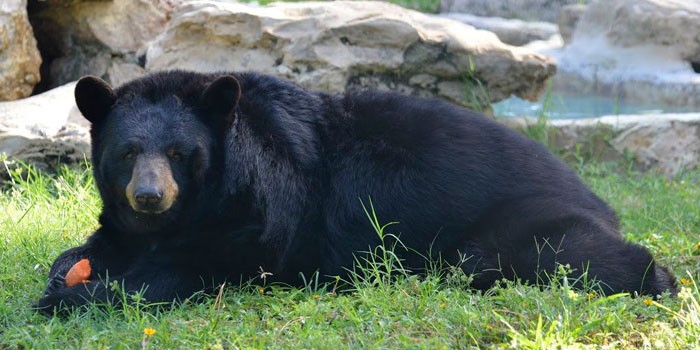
{"points": [[669, 143], [664, 143], [121, 72], [45, 130], [530, 10], [92, 37], [19, 56], [569, 16], [510, 31], [335, 46], [634, 50], [671, 24]]}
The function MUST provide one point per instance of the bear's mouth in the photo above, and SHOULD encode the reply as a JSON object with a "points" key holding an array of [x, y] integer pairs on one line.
{"points": [[149, 211]]}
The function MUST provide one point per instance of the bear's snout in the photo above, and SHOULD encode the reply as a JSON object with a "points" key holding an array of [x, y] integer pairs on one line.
{"points": [[152, 189]]}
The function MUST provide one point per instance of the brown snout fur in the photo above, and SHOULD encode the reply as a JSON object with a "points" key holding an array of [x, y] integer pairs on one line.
{"points": [[152, 172]]}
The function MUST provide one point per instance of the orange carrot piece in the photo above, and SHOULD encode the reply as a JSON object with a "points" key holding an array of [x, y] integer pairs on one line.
{"points": [[79, 273]]}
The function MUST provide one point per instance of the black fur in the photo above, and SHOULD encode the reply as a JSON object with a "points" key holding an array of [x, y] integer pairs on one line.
{"points": [[272, 176]]}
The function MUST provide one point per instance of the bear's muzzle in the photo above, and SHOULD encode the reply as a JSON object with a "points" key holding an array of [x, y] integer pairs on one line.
{"points": [[152, 188]]}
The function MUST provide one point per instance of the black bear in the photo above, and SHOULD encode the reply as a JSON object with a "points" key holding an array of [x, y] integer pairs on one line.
{"points": [[207, 178]]}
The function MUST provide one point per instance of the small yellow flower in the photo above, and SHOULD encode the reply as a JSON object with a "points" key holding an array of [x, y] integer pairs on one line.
{"points": [[685, 281], [149, 332], [442, 305], [648, 302], [316, 297], [696, 246], [591, 295], [572, 295], [261, 290]]}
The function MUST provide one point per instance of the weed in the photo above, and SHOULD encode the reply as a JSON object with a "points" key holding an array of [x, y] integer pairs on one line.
{"points": [[476, 96]]}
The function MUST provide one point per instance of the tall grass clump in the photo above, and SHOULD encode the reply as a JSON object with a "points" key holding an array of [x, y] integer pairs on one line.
{"points": [[380, 265]]}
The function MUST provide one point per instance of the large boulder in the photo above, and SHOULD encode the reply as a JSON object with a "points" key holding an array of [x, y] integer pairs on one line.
{"points": [[635, 50], [665, 143], [671, 24], [45, 130], [335, 46], [669, 143], [101, 38], [19, 56], [530, 10]]}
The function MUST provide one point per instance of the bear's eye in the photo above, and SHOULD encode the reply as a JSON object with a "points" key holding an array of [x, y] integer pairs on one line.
{"points": [[174, 155], [129, 155]]}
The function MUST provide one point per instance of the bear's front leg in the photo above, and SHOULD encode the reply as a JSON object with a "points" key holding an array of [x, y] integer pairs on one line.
{"points": [[104, 254], [65, 262], [156, 282], [56, 286]]}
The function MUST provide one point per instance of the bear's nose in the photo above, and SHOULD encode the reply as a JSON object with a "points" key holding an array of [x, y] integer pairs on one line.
{"points": [[148, 196]]}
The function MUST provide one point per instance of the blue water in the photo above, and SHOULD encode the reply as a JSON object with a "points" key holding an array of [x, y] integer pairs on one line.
{"points": [[568, 106]]}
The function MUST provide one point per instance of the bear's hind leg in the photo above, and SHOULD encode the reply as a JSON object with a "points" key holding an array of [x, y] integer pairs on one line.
{"points": [[617, 265], [528, 238]]}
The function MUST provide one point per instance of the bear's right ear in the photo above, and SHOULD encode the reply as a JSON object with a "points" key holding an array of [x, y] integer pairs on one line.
{"points": [[94, 98], [221, 97]]}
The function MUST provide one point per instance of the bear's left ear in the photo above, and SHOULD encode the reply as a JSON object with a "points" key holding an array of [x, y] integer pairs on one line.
{"points": [[94, 98], [221, 97]]}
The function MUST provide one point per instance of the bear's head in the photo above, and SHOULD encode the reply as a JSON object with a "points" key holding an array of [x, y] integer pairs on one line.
{"points": [[156, 145]]}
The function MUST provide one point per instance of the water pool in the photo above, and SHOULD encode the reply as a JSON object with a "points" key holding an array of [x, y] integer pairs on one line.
{"points": [[570, 106]]}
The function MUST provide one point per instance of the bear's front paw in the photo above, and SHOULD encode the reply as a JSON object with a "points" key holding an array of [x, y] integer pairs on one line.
{"points": [[50, 305], [67, 299], [56, 283], [61, 302]]}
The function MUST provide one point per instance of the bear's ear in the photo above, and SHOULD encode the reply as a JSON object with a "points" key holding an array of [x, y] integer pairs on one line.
{"points": [[94, 98], [221, 97]]}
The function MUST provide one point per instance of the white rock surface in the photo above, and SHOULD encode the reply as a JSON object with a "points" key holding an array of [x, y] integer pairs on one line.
{"points": [[45, 130], [636, 50], [671, 24], [19, 56], [335, 46]]}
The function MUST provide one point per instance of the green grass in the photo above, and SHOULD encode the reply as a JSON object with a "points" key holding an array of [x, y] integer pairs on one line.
{"points": [[44, 215], [428, 6]]}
